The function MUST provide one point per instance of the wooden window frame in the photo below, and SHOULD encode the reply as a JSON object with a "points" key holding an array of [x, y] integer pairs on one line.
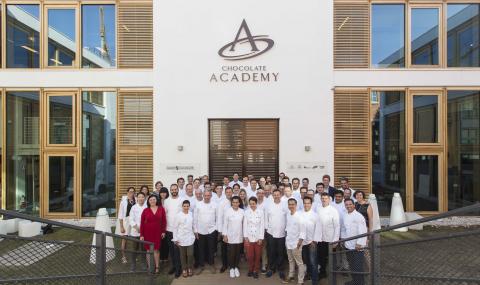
{"points": [[75, 114]]}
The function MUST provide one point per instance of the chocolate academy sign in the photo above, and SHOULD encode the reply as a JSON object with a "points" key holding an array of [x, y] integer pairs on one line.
{"points": [[243, 48]]}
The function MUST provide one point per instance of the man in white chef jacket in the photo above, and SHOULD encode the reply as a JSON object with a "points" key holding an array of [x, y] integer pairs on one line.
{"points": [[275, 223], [205, 228], [135, 218], [173, 205], [309, 250], [222, 206], [296, 233], [354, 223], [330, 231]]}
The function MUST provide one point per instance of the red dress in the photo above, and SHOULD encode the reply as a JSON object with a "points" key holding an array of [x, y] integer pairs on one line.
{"points": [[152, 226]]}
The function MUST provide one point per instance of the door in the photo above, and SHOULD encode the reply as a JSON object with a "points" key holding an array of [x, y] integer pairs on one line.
{"points": [[243, 146]]}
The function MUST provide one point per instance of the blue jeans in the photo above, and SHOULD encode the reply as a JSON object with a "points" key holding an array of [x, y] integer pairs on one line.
{"points": [[309, 256]]}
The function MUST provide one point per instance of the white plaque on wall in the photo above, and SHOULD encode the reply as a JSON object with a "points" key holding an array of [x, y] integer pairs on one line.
{"points": [[310, 167]]}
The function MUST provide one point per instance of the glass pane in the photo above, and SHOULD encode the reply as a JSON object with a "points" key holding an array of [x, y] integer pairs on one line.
{"points": [[425, 119], [99, 110], [61, 37], [463, 148], [388, 35], [463, 33], [22, 151], [98, 36], [61, 184], [388, 147], [60, 119], [424, 36], [23, 36], [425, 182]]}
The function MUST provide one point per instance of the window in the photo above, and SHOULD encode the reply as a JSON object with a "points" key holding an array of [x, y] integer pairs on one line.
{"points": [[61, 48], [424, 36], [388, 35], [463, 117], [98, 36], [98, 152], [463, 32], [23, 36], [425, 119], [388, 148]]}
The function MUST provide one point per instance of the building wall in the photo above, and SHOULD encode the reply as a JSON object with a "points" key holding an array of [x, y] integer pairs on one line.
{"points": [[188, 37]]}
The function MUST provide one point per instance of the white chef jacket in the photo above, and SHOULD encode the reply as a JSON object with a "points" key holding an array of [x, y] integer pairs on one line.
{"points": [[295, 230], [183, 229], [285, 203], [354, 224], [240, 183], [122, 211], [172, 207], [135, 218], [296, 194], [217, 199], [221, 208], [276, 219], [233, 225], [254, 225], [181, 191], [340, 206], [193, 201], [312, 221], [205, 218], [330, 224]]}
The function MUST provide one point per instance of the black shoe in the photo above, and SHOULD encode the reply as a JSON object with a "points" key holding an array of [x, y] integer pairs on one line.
{"points": [[177, 274], [223, 269], [269, 274], [322, 275], [250, 274], [282, 275], [171, 271], [255, 275], [263, 271]]}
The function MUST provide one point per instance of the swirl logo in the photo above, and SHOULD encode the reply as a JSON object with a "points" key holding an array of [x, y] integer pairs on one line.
{"points": [[246, 47]]}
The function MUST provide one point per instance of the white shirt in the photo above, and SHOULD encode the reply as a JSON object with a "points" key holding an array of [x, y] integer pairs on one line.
{"points": [[181, 191], [295, 230], [330, 224], [135, 218], [253, 225], [312, 221], [217, 199], [276, 220], [221, 208], [296, 194], [122, 211], [237, 182], [354, 224], [340, 206], [193, 201], [172, 207], [233, 225], [183, 229], [285, 203], [205, 218]]}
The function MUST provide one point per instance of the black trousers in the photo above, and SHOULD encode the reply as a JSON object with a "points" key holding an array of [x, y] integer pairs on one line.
{"points": [[164, 249], [206, 248], [224, 254], [275, 251], [234, 250], [174, 253], [196, 254], [356, 259], [323, 256]]}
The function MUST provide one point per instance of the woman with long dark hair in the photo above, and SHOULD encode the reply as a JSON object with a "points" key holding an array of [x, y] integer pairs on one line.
{"points": [[123, 226]]}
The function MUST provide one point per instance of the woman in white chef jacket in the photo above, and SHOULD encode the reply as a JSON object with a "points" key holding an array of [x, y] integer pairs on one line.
{"points": [[233, 235], [184, 237], [123, 227]]}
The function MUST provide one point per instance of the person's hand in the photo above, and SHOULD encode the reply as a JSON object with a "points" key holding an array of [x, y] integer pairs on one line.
{"points": [[245, 239], [163, 236], [299, 244], [177, 243], [136, 228], [196, 236], [122, 229], [260, 242], [358, 247], [142, 238], [225, 239]]}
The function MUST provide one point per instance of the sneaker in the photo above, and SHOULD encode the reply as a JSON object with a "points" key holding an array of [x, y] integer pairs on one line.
{"points": [[269, 274], [232, 273], [237, 272], [255, 275], [263, 271], [250, 274], [285, 281]]}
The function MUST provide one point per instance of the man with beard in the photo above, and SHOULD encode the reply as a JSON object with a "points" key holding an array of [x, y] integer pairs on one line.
{"points": [[173, 205]]}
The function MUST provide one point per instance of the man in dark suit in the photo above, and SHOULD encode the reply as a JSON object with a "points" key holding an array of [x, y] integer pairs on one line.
{"points": [[326, 185]]}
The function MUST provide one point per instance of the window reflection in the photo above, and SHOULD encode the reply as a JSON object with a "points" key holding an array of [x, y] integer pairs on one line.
{"points": [[61, 184], [463, 32], [388, 147], [425, 119], [424, 36], [98, 36], [61, 37], [23, 31], [22, 151], [98, 152], [388, 35], [463, 148], [425, 182], [60, 119]]}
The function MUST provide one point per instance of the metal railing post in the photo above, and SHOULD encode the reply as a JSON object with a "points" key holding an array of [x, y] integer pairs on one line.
{"points": [[374, 258], [100, 254], [332, 276]]}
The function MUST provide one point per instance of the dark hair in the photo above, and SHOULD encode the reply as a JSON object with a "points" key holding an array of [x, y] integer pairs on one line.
{"points": [[228, 188], [158, 182], [296, 179], [324, 194], [145, 187], [180, 178], [236, 184], [303, 187], [292, 199], [131, 187], [338, 192], [359, 192], [190, 175], [319, 183], [253, 199], [186, 202], [239, 200], [276, 190], [307, 198], [148, 200], [306, 179], [326, 176], [163, 190], [348, 199], [207, 183], [141, 193], [344, 179]]}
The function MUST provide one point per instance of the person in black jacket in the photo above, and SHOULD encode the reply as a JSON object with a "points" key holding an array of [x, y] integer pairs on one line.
{"points": [[326, 184]]}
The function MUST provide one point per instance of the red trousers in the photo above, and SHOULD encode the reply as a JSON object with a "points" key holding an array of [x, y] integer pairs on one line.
{"points": [[254, 254]]}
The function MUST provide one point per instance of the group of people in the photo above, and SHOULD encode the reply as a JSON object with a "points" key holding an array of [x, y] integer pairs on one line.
{"points": [[261, 221]]}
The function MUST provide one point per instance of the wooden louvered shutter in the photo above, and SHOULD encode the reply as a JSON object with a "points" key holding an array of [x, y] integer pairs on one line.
{"points": [[352, 137], [351, 34], [135, 34], [135, 139], [243, 146]]}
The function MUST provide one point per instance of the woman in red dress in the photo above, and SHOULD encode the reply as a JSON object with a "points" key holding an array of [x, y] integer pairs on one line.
{"points": [[153, 226]]}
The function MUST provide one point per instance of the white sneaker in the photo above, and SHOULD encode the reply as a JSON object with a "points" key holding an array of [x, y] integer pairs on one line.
{"points": [[237, 273], [232, 273]]}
